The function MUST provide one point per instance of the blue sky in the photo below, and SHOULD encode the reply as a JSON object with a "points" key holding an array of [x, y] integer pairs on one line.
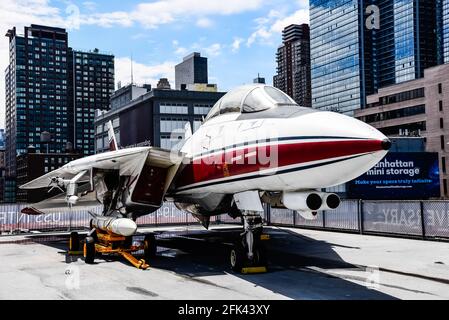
{"points": [[239, 37]]}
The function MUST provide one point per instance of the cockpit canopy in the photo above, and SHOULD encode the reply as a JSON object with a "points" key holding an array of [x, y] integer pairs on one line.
{"points": [[250, 98]]}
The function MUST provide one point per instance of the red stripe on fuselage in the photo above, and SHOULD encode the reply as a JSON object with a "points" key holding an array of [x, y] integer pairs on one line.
{"points": [[242, 161]]}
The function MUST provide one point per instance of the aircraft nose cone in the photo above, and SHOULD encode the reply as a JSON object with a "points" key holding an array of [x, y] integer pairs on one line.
{"points": [[386, 144]]}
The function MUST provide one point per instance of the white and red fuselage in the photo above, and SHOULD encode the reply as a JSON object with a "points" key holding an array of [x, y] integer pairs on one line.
{"points": [[297, 150]]}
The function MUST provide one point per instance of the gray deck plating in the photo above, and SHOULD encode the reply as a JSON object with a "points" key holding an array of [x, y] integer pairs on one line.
{"points": [[192, 264]]}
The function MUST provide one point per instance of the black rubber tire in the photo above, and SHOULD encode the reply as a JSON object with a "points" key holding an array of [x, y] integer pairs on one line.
{"points": [[150, 247], [260, 255], [74, 241], [89, 250], [237, 257], [128, 242]]}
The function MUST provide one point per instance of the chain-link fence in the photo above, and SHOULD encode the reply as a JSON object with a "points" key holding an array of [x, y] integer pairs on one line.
{"points": [[12, 221], [418, 219]]}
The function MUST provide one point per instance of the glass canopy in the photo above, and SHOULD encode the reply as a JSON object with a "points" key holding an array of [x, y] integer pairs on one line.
{"points": [[250, 98]]}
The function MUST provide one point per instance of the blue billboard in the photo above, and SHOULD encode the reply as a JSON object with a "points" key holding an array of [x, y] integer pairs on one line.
{"points": [[411, 176]]}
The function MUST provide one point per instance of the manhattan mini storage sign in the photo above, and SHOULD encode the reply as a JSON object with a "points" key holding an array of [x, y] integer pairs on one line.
{"points": [[412, 175]]}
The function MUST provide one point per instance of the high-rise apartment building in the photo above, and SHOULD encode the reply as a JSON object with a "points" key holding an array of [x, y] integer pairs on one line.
{"points": [[52, 92], [293, 60], [37, 98], [92, 75]]}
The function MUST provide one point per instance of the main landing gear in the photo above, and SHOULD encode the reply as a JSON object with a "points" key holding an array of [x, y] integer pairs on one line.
{"points": [[248, 253], [99, 242]]}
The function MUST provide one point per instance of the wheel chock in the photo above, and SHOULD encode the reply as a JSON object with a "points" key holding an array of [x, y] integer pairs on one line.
{"points": [[75, 253], [248, 270], [264, 236]]}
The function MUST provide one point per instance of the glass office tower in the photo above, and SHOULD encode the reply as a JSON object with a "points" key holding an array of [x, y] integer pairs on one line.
{"points": [[443, 30], [406, 43], [351, 61], [337, 63]]}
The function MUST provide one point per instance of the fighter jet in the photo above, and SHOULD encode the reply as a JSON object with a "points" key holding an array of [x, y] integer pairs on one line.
{"points": [[256, 146]]}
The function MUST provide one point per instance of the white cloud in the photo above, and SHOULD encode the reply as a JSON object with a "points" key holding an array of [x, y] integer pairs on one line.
{"points": [[213, 50], [275, 22], [153, 14], [299, 17], [143, 73], [107, 20], [263, 33], [181, 51], [90, 5], [204, 23], [236, 44], [138, 36]]}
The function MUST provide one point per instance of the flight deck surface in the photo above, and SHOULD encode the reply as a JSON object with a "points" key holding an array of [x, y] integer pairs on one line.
{"points": [[193, 264]]}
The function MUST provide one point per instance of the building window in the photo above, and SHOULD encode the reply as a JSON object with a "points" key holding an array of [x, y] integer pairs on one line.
{"points": [[201, 109], [441, 123], [169, 125], [442, 142], [441, 105], [440, 88], [174, 108], [445, 186]]}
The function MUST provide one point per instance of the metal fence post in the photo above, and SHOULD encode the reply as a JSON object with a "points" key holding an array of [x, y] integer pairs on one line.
{"points": [[294, 218], [360, 215], [423, 222], [268, 214], [17, 219], [324, 219]]}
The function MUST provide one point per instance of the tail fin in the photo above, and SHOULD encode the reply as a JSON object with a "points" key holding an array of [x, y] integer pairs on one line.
{"points": [[111, 138]]}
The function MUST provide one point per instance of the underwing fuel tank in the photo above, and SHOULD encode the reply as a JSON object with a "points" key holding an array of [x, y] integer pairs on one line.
{"points": [[119, 226]]}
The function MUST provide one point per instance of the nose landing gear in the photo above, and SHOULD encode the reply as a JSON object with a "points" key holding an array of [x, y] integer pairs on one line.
{"points": [[248, 253]]}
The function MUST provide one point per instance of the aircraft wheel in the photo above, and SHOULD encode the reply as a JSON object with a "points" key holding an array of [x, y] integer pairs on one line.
{"points": [[89, 250], [74, 242], [237, 257], [260, 257], [150, 247]]}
